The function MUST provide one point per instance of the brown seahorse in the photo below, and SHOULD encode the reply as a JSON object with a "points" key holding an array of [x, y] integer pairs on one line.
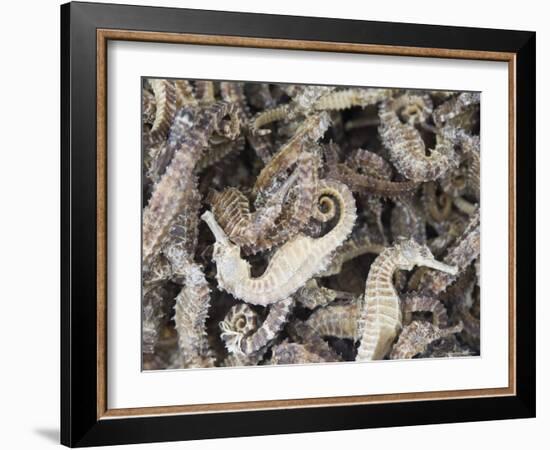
{"points": [[311, 295], [348, 98], [307, 135], [416, 337], [285, 213], [234, 92], [305, 335], [191, 309], [301, 105], [309, 99], [359, 243], [336, 320], [454, 107], [236, 341], [165, 110], [170, 193], [153, 316], [294, 263], [148, 107], [240, 320], [461, 254], [412, 303], [407, 148], [366, 172], [381, 317], [205, 91]]}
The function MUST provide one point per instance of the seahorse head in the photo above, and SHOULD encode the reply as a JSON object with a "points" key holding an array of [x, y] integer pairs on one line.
{"points": [[231, 268], [410, 253]]}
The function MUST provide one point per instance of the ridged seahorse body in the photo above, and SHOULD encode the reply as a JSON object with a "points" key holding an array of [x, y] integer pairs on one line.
{"points": [[416, 337], [294, 263], [381, 317], [170, 194], [165, 103], [407, 148], [336, 320]]}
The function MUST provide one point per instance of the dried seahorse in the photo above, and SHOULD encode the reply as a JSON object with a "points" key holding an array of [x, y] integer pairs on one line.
{"points": [[234, 93], [447, 347], [473, 174], [372, 185], [148, 106], [416, 337], [454, 107], [305, 335], [307, 135], [301, 200], [185, 228], [222, 147], [293, 353], [339, 320], [465, 310], [367, 177], [359, 243], [419, 303], [463, 252], [307, 100], [184, 94], [155, 294], [275, 222], [294, 263], [301, 105], [170, 194], [191, 310], [415, 109], [407, 148], [349, 98], [381, 316], [159, 272], [370, 163], [238, 342], [165, 110], [471, 332], [153, 316], [161, 154], [311, 295], [241, 320], [205, 92]]}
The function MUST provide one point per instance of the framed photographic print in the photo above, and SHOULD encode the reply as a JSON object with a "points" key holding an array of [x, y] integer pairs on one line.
{"points": [[276, 224]]}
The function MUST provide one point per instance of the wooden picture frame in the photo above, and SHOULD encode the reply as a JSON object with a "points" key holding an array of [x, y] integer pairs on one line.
{"points": [[85, 416]]}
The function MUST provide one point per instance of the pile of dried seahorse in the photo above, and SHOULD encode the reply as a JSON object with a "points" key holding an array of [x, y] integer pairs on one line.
{"points": [[291, 224]]}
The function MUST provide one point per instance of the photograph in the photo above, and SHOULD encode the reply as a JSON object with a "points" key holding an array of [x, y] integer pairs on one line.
{"points": [[279, 222], [300, 224]]}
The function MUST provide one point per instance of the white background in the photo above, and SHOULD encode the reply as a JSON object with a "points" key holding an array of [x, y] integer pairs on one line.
{"points": [[29, 331]]}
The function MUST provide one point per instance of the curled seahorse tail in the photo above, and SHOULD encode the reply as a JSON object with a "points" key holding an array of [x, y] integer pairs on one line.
{"points": [[346, 220]]}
